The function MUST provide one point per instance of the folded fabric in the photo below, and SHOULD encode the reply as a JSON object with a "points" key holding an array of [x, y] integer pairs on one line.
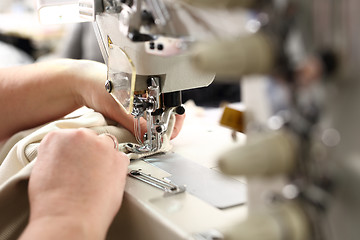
{"points": [[18, 155]]}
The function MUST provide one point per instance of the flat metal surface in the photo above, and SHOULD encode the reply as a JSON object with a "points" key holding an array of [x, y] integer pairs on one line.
{"points": [[207, 184]]}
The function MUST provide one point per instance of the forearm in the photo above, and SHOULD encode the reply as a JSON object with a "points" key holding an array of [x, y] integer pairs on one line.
{"points": [[35, 94]]}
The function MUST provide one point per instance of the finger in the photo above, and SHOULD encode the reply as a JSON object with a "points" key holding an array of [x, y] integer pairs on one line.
{"points": [[110, 138], [179, 122], [85, 130], [124, 157]]}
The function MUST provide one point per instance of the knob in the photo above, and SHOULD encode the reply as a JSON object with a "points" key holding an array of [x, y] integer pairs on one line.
{"points": [[287, 221], [252, 54], [274, 153]]}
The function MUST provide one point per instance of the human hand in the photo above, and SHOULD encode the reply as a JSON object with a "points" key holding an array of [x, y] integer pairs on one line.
{"points": [[89, 87], [79, 177], [91, 77], [49, 90]]}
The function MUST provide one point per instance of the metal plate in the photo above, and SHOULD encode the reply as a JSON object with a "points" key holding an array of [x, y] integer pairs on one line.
{"points": [[209, 185]]}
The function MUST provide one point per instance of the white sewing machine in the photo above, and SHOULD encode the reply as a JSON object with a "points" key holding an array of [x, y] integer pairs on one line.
{"points": [[145, 44], [305, 161], [142, 46]]}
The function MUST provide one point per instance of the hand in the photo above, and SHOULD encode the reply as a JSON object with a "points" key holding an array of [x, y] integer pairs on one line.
{"points": [[46, 91], [91, 89], [79, 177]]}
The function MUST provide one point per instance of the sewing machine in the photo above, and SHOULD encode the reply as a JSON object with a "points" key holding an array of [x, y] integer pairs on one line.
{"points": [[147, 68], [146, 46], [301, 156]]}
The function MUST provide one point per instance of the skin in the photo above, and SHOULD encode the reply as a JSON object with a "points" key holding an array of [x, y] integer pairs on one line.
{"points": [[46, 91], [85, 196], [77, 183]]}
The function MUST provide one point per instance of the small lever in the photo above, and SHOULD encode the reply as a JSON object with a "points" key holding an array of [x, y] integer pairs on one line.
{"points": [[169, 188]]}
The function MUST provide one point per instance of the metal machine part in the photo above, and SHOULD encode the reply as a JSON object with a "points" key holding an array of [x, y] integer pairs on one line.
{"points": [[142, 44], [207, 184], [168, 187]]}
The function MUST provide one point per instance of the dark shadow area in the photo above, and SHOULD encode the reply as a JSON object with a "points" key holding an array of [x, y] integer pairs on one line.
{"points": [[214, 94]]}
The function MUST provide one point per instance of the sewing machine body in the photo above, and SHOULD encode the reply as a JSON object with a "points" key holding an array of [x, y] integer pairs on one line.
{"points": [[148, 213], [159, 68], [302, 155]]}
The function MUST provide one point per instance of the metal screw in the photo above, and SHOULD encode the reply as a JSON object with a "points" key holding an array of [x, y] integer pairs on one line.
{"points": [[159, 129], [108, 86]]}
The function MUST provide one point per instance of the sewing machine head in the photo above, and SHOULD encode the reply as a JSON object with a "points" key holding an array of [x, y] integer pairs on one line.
{"points": [[144, 44]]}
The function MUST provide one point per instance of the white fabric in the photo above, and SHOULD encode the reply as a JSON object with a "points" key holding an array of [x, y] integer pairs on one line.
{"points": [[18, 154], [17, 157]]}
